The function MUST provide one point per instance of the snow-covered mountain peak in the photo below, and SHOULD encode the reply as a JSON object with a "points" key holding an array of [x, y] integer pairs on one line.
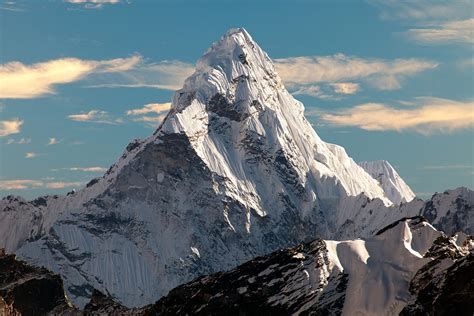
{"points": [[393, 185], [242, 122], [235, 74], [234, 171]]}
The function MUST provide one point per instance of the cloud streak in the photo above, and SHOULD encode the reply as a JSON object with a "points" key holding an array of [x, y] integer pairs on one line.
{"points": [[165, 75], [20, 81], [21, 141], [9, 127], [30, 155], [422, 10], [53, 141], [460, 31], [152, 121], [345, 87], [88, 169], [22, 184], [95, 116], [437, 22], [428, 116], [382, 74], [93, 4], [151, 108]]}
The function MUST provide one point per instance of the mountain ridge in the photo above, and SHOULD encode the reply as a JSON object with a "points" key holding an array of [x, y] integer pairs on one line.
{"points": [[233, 172], [424, 271]]}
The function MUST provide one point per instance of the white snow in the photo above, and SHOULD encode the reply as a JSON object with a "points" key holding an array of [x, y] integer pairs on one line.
{"points": [[196, 252], [380, 268], [393, 185]]}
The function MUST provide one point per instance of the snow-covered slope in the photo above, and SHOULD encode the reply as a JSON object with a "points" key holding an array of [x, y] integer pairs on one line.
{"points": [[392, 184], [234, 171], [374, 276]]}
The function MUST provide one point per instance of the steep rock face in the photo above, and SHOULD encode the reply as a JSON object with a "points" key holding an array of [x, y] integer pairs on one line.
{"points": [[451, 211], [445, 285], [234, 171], [392, 184], [28, 290], [302, 279]]}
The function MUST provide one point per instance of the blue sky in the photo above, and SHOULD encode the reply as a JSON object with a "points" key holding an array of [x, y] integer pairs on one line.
{"points": [[385, 79]]}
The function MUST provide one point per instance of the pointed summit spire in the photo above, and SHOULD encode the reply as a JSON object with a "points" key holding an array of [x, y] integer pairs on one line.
{"points": [[232, 62]]}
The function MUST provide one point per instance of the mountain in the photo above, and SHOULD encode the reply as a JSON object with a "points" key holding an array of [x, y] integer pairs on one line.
{"points": [[234, 171], [392, 184], [407, 268]]}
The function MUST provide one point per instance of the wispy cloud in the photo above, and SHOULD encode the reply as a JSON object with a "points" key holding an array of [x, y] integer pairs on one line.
{"points": [[345, 87], [422, 10], [21, 141], [427, 116], [22, 184], [12, 6], [445, 33], [381, 74], [20, 81], [95, 116], [150, 108], [12, 126], [88, 169], [53, 141], [19, 184], [92, 4], [165, 75], [436, 22], [314, 91], [152, 121], [30, 155]]}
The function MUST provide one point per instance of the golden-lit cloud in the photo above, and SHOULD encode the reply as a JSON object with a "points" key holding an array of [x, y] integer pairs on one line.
{"points": [[95, 116], [53, 141], [9, 127], [152, 121], [20, 81], [23, 184], [382, 74], [150, 108], [19, 184], [428, 116], [30, 155], [88, 169], [345, 87]]}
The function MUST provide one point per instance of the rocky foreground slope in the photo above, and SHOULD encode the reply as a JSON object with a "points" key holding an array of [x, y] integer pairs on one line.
{"points": [[235, 171], [408, 268]]}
